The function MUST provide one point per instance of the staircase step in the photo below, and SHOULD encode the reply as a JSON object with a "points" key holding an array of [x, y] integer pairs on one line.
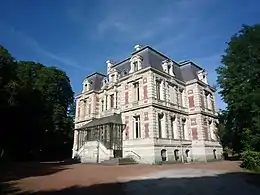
{"points": [[119, 161]]}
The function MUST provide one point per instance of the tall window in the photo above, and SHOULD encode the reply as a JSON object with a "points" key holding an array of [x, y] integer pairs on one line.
{"points": [[106, 102], [168, 69], [137, 91], [183, 129], [102, 105], [137, 127], [116, 99], [135, 66], [158, 89], [112, 101], [84, 107], [160, 117], [172, 126]]}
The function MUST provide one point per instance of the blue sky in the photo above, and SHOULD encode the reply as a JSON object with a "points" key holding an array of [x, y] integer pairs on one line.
{"points": [[79, 36]]}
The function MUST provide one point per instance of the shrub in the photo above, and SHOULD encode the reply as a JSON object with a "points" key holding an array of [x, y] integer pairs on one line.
{"points": [[251, 160]]}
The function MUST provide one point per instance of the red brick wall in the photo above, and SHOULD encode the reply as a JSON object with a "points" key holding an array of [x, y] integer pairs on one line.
{"points": [[191, 101], [146, 116], [126, 97], [127, 127], [194, 133], [206, 133]]}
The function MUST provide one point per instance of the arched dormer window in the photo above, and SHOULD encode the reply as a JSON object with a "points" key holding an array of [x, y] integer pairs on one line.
{"points": [[136, 62], [86, 85], [202, 75], [113, 75], [104, 82], [168, 66], [124, 72]]}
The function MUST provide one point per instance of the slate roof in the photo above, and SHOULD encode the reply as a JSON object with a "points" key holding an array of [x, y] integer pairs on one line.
{"points": [[185, 70], [115, 119]]}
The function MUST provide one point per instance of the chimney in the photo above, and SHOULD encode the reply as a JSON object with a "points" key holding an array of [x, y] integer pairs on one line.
{"points": [[109, 65], [137, 47]]}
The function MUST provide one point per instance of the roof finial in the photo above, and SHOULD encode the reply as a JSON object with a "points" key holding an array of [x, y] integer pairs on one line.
{"points": [[137, 47]]}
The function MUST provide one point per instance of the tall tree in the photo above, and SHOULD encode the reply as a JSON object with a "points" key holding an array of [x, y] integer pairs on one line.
{"points": [[239, 80], [36, 100]]}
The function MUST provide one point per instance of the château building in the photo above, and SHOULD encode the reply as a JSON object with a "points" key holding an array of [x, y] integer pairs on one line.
{"points": [[147, 107]]}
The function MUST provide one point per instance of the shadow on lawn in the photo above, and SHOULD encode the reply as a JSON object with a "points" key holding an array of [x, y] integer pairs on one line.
{"points": [[20, 170], [230, 183]]}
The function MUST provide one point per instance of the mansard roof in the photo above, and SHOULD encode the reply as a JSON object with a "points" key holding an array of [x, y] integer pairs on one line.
{"points": [[185, 70], [95, 80]]}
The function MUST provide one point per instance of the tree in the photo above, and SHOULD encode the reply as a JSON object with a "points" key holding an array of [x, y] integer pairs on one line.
{"points": [[239, 80], [36, 100]]}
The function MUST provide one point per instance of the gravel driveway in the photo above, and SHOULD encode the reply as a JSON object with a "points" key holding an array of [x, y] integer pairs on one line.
{"points": [[224, 177]]}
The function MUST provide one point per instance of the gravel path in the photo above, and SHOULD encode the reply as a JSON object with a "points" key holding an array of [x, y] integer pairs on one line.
{"points": [[224, 177]]}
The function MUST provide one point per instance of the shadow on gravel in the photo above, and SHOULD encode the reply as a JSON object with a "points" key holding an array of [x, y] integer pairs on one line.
{"points": [[16, 171], [230, 183]]}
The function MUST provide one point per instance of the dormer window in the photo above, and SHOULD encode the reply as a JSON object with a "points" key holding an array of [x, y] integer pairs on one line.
{"points": [[86, 85], [168, 69], [167, 66], [112, 78], [124, 72], [104, 82], [135, 66], [135, 63], [202, 75]]}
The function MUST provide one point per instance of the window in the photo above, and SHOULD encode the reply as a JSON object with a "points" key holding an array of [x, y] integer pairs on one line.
{"points": [[158, 89], [183, 129], [160, 117], [102, 105], [112, 101], [135, 66], [168, 69], [137, 127], [172, 126], [84, 107], [106, 102], [137, 91], [116, 99]]}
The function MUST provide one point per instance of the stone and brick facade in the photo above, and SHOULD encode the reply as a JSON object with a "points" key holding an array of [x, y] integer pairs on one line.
{"points": [[165, 106]]}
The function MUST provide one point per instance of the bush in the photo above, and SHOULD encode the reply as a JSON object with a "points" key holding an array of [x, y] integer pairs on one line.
{"points": [[251, 160]]}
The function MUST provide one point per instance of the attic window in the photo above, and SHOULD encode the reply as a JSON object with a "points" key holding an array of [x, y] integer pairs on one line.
{"points": [[168, 69], [125, 72], [135, 63]]}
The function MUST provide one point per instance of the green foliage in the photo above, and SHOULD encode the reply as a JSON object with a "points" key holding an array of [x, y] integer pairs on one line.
{"points": [[35, 101], [251, 160], [239, 81]]}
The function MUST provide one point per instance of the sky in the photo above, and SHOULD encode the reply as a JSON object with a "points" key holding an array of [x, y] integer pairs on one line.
{"points": [[79, 36]]}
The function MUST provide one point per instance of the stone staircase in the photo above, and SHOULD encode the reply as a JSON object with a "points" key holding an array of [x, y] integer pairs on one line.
{"points": [[119, 161]]}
